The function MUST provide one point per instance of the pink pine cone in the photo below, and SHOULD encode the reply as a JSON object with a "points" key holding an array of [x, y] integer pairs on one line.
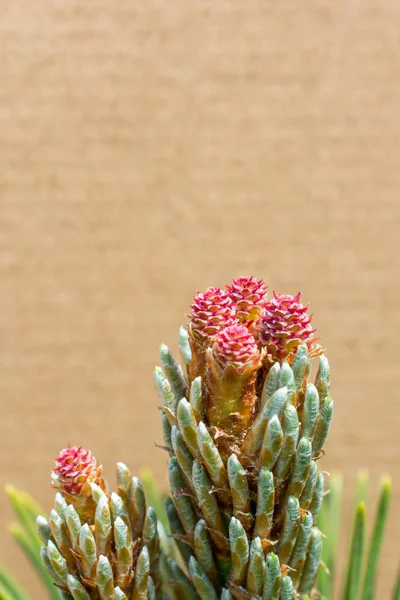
{"points": [[284, 325], [231, 380], [74, 468], [248, 295], [235, 346], [212, 310]]}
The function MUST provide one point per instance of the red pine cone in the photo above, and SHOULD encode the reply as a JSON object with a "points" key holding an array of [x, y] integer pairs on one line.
{"points": [[236, 346], [248, 294], [284, 325], [211, 311], [75, 467]]}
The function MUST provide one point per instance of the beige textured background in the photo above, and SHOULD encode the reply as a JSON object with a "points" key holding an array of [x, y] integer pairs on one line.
{"points": [[149, 149]]}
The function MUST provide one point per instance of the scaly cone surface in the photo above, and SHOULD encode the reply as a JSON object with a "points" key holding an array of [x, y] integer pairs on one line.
{"points": [[248, 295], [244, 427], [284, 325], [75, 469], [212, 311], [98, 545]]}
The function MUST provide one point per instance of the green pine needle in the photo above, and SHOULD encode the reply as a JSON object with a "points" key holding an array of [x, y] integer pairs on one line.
{"points": [[376, 541], [396, 593], [26, 510], [329, 524], [10, 586], [6, 594], [24, 541], [353, 576], [362, 487]]}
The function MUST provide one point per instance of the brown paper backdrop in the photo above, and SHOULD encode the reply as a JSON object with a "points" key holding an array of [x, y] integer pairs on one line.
{"points": [[149, 149]]}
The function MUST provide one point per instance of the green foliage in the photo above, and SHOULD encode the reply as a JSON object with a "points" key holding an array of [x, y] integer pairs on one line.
{"points": [[244, 428], [360, 577], [361, 571], [25, 534], [33, 535]]}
